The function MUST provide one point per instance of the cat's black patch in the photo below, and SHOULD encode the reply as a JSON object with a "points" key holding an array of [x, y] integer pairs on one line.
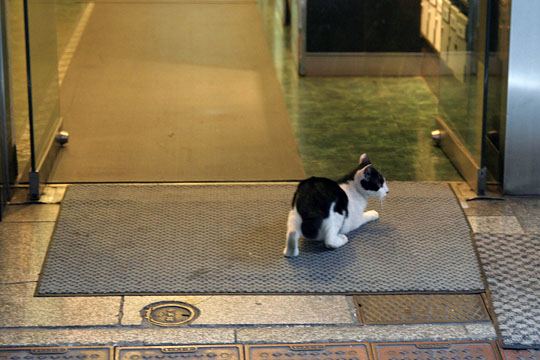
{"points": [[313, 199], [373, 180]]}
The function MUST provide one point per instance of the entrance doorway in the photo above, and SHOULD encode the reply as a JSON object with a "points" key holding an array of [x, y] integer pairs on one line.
{"points": [[180, 91]]}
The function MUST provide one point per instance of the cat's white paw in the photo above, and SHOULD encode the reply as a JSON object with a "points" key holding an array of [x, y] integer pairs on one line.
{"points": [[371, 215], [290, 252], [338, 241]]}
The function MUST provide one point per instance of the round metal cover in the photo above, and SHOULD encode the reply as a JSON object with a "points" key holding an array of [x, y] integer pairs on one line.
{"points": [[170, 313]]}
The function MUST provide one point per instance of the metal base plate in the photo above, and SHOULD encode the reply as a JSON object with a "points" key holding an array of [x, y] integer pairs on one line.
{"points": [[340, 351], [55, 353], [195, 352], [420, 309], [436, 351]]}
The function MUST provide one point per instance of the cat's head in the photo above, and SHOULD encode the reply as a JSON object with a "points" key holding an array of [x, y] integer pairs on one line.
{"points": [[369, 180]]}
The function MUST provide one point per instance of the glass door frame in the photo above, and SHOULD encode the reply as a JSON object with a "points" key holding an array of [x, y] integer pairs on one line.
{"points": [[40, 162], [475, 172]]}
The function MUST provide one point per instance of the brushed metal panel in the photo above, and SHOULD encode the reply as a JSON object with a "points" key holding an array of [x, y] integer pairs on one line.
{"points": [[522, 163]]}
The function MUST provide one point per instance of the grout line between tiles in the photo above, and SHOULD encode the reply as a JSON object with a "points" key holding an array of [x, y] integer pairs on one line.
{"points": [[121, 310]]}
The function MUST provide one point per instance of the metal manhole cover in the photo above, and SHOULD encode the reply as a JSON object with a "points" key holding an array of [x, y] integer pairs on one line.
{"points": [[170, 313], [216, 352], [56, 353], [436, 351], [329, 351]]}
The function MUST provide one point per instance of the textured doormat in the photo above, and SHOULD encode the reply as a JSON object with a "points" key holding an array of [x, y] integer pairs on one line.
{"points": [[512, 267], [421, 309], [223, 239]]}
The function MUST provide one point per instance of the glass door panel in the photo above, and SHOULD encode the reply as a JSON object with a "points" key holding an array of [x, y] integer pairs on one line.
{"points": [[461, 87], [34, 85]]}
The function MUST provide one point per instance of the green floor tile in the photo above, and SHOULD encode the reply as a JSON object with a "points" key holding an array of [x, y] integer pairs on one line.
{"points": [[337, 118]]}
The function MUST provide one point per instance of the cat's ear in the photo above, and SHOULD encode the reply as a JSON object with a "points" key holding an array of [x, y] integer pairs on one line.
{"points": [[364, 173], [364, 160]]}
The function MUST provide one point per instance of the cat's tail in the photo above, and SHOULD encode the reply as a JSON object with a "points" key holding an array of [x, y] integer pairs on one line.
{"points": [[291, 245]]}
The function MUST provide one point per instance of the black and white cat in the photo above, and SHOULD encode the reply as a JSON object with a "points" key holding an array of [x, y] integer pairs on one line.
{"points": [[326, 210]]}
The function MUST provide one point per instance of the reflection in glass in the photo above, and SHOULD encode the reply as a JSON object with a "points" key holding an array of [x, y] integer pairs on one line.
{"points": [[18, 85], [461, 80], [44, 71]]}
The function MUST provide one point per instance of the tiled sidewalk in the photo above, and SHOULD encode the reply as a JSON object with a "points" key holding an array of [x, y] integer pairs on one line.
{"points": [[27, 320], [115, 320]]}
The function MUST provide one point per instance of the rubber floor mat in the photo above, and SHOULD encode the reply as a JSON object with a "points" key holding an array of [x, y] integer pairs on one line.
{"points": [[512, 267], [211, 239]]}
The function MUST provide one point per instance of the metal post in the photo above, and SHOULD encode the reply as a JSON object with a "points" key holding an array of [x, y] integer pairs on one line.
{"points": [[34, 181], [482, 172]]}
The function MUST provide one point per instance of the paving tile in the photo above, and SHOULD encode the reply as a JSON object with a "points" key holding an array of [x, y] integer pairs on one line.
{"points": [[51, 194], [248, 310], [527, 210], [462, 191], [488, 208], [333, 113], [435, 351], [53, 353], [426, 332], [495, 225], [116, 336], [526, 354], [22, 248], [480, 331], [19, 195], [328, 351], [19, 308], [229, 352], [32, 213], [480, 207], [530, 224]]}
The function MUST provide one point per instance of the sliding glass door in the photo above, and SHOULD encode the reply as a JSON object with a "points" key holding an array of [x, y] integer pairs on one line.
{"points": [[34, 88], [464, 60]]}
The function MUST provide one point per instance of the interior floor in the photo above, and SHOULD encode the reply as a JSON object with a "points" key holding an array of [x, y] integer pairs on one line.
{"points": [[106, 103], [176, 91], [337, 118]]}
